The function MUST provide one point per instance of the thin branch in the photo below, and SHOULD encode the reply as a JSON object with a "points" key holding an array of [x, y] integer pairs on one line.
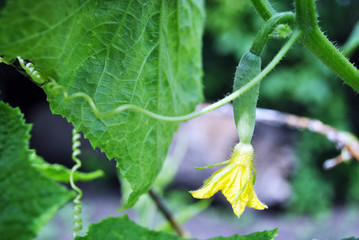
{"points": [[166, 213], [347, 142]]}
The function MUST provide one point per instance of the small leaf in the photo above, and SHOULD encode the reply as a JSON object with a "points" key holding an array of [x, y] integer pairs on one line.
{"points": [[116, 228], [146, 53], [28, 198], [61, 173]]}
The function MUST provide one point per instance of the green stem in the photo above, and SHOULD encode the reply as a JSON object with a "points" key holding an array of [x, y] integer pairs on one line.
{"points": [[306, 16], [53, 86], [314, 39], [263, 35], [264, 8]]}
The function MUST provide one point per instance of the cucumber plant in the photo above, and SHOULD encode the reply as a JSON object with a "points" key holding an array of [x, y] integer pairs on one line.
{"points": [[125, 73]]}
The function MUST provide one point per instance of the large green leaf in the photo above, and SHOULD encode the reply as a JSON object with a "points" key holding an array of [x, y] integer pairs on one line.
{"points": [[264, 235], [116, 228], [28, 199], [142, 52]]}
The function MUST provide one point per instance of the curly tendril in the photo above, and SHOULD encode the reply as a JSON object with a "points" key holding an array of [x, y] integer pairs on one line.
{"points": [[77, 208], [54, 87], [30, 70]]}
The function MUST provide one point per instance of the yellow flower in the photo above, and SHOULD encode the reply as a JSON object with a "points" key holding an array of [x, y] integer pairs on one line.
{"points": [[235, 180]]}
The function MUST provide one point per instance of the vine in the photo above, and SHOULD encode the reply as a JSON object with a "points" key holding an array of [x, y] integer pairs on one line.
{"points": [[53, 86]]}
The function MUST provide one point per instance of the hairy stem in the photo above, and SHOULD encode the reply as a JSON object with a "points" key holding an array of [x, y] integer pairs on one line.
{"points": [[263, 35], [314, 39], [306, 16], [264, 8]]}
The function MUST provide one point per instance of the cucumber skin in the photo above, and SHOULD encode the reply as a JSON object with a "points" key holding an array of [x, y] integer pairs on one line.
{"points": [[244, 107]]}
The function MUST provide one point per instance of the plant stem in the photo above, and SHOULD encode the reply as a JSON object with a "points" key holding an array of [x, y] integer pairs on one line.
{"points": [[263, 35], [166, 213], [264, 8], [54, 87], [314, 39], [306, 16]]}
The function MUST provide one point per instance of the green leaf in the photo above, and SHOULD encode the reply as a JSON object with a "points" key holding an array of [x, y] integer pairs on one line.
{"points": [[61, 173], [28, 199], [265, 235], [146, 53], [115, 228]]}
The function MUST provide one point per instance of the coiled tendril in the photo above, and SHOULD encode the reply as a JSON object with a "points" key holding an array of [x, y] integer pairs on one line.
{"points": [[77, 208], [53, 86], [30, 70]]}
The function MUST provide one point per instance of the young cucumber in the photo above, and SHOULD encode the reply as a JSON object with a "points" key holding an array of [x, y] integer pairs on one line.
{"points": [[244, 107]]}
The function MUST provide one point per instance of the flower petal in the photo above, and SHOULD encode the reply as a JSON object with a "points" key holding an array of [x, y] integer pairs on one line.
{"points": [[253, 201], [235, 180], [231, 191], [215, 183]]}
